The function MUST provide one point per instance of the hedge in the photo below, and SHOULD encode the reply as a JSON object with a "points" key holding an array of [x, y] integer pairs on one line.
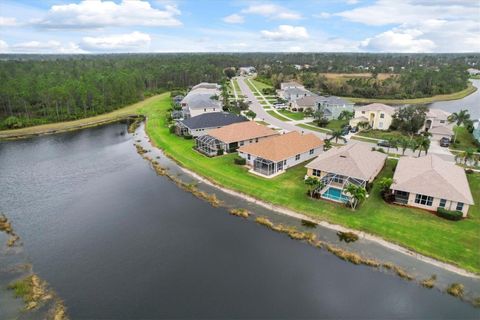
{"points": [[240, 161], [450, 214]]}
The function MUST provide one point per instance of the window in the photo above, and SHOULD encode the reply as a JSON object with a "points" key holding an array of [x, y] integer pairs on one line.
{"points": [[251, 141], [312, 151], [382, 115], [242, 143], [316, 172], [459, 206], [442, 121], [205, 109], [297, 157], [363, 112], [213, 109], [337, 179], [256, 139], [248, 156], [380, 124], [284, 162], [442, 203], [423, 200]]}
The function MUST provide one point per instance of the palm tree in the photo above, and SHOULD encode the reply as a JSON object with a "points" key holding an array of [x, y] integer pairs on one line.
{"points": [[357, 194], [467, 155], [392, 143], [251, 114], [459, 118], [425, 145], [337, 134], [345, 114], [327, 145], [385, 184], [414, 145], [312, 184], [404, 144]]}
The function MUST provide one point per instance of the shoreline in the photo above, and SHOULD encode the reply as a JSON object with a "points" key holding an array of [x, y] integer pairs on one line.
{"points": [[426, 100], [331, 226]]}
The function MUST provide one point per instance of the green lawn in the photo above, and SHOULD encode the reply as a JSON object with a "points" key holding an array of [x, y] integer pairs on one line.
{"points": [[260, 85], [313, 127], [465, 140], [292, 115], [336, 124], [237, 87], [454, 242], [276, 115], [381, 134]]}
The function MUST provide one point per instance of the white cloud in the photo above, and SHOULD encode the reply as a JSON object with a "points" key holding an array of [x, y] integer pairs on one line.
{"points": [[352, 1], [399, 41], [3, 47], [234, 18], [51, 46], [98, 13], [285, 33], [322, 15], [8, 22], [272, 11], [135, 41]]}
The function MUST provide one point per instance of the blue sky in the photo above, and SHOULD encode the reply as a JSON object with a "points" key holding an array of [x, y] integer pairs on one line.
{"points": [[96, 26]]}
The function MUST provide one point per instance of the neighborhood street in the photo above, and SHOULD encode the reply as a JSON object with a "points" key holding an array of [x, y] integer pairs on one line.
{"points": [[262, 114]]}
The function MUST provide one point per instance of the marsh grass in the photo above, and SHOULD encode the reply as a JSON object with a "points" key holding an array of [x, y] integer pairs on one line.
{"points": [[244, 213], [430, 282], [347, 236], [456, 290], [309, 224]]}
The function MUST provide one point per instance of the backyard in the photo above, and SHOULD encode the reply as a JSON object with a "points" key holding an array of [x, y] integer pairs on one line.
{"points": [[465, 140], [292, 115], [454, 242]]}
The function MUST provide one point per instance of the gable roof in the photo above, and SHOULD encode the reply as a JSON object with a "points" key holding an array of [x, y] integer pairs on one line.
{"points": [[377, 107], [308, 101], [200, 99], [297, 91], [212, 120], [432, 176], [356, 160], [333, 100], [438, 114], [283, 146], [206, 85], [242, 131]]}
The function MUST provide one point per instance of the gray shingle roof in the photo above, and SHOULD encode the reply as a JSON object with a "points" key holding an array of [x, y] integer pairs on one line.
{"points": [[212, 120], [333, 100]]}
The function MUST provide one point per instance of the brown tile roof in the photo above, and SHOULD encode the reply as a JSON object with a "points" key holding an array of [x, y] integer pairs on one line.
{"points": [[241, 131], [432, 176], [283, 146], [355, 160], [377, 107]]}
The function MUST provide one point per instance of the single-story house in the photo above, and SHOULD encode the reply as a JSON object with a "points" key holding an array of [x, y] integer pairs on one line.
{"points": [[336, 168], [379, 116], [289, 85], [229, 138], [203, 98], [430, 183], [307, 102], [202, 124], [274, 155], [332, 106]]}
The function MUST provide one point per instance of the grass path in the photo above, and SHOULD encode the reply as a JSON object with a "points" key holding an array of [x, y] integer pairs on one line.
{"points": [[457, 243], [113, 116], [441, 97]]}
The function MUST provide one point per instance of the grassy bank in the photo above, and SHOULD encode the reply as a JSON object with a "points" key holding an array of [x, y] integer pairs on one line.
{"points": [[465, 140], [381, 134], [113, 116], [441, 97], [453, 242]]}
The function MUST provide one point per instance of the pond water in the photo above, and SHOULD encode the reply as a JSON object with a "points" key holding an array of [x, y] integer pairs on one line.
{"points": [[470, 102], [117, 241]]}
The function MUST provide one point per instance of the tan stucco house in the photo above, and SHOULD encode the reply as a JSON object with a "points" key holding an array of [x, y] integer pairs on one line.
{"points": [[378, 115], [430, 183]]}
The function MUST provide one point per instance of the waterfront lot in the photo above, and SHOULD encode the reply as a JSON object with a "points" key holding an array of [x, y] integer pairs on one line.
{"points": [[454, 242]]}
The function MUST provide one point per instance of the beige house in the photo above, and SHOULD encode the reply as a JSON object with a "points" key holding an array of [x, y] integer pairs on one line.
{"points": [[229, 138], [430, 183], [274, 155], [336, 168], [378, 115], [436, 122]]}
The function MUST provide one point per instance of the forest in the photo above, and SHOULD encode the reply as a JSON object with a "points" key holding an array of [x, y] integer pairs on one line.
{"points": [[38, 89]]}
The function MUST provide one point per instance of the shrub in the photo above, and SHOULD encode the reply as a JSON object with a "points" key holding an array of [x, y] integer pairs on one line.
{"points": [[450, 214], [381, 150], [219, 152], [300, 109], [456, 289], [171, 129], [294, 109], [388, 197], [187, 137], [240, 161], [468, 171], [12, 123]]}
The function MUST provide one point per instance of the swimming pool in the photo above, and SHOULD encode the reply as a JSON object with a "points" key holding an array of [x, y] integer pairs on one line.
{"points": [[335, 195]]}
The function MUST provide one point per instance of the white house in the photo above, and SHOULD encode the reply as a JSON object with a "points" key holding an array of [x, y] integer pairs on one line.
{"points": [[274, 155], [203, 98]]}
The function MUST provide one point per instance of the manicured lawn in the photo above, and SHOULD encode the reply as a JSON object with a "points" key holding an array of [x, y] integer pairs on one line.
{"points": [[237, 87], [380, 134], [260, 85], [454, 242], [292, 115], [336, 124], [276, 115], [465, 140], [313, 127]]}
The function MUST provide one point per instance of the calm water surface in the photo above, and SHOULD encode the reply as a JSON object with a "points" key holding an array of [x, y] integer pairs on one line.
{"points": [[116, 241]]}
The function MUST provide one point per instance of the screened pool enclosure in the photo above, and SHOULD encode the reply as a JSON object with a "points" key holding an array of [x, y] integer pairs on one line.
{"points": [[267, 167], [209, 145]]}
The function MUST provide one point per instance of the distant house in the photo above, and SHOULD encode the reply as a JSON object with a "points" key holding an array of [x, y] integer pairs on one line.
{"points": [[336, 168], [290, 85], [378, 115], [431, 183], [230, 138], [274, 155], [292, 94], [437, 124], [308, 102], [245, 71], [178, 98], [332, 106], [203, 98], [202, 124], [473, 72]]}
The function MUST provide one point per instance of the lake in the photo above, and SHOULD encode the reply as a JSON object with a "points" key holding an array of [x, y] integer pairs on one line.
{"points": [[470, 102], [117, 241]]}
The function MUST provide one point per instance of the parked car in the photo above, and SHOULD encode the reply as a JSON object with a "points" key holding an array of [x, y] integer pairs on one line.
{"points": [[383, 143], [279, 106], [445, 142], [354, 130]]}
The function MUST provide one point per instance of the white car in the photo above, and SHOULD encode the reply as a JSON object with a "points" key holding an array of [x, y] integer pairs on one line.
{"points": [[279, 106]]}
